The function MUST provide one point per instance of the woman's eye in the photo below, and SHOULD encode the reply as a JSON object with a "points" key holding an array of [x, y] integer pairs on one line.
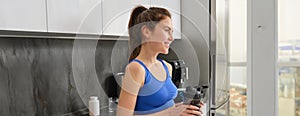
{"points": [[169, 30]]}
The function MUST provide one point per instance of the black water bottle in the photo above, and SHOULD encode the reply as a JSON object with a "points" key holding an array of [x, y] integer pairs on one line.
{"points": [[196, 99], [193, 96]]}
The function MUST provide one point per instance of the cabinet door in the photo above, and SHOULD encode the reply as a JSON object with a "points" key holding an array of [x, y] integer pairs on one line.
{"points": [[116, 14], [74, 16], [174, 7], [23, 15]]}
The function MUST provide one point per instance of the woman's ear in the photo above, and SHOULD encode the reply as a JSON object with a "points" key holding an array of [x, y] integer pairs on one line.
{"points": [[146, 31]]}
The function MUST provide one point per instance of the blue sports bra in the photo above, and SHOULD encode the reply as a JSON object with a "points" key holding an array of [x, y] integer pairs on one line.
{"points": [[155, 95]]}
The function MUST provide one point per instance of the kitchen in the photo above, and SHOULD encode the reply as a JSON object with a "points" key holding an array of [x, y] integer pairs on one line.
{"points": [[55, 54]]}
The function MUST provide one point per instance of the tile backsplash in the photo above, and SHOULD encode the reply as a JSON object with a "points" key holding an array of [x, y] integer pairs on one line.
{"points": [[45, 76]]}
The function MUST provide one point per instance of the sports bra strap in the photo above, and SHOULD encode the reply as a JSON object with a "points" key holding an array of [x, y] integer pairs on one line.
{"points": [[165, 66]]}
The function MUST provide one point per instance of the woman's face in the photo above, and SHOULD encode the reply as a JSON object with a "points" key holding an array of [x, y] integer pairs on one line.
{"points": [[161, 37]]}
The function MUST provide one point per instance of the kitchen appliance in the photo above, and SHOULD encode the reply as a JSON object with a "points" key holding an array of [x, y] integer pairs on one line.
{"points": [[119, 77], [179, 72], [112, 84]]}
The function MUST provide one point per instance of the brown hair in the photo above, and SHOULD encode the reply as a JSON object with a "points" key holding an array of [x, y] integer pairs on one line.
{"points": [[141, 16]]}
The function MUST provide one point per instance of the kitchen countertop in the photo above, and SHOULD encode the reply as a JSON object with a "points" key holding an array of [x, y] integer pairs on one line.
{"points": [[85, 112]]}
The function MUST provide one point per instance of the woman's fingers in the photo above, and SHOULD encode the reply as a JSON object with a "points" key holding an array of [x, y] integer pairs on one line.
{"points": [[192, 107], [187, 110], [186, 114], [177, 110], [191, 112]]}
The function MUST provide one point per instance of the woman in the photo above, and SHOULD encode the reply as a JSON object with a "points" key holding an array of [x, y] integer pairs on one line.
{"points": [[147, 88]]}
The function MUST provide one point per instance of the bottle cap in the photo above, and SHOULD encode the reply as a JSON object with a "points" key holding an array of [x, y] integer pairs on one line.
{"points": [[93, 97]]}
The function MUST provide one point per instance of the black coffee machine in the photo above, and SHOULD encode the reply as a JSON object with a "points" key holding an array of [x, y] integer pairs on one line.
{"points": [[179, 72]]}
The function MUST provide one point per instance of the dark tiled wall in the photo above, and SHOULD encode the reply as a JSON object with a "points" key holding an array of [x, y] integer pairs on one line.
{"points": [[37, 75]]}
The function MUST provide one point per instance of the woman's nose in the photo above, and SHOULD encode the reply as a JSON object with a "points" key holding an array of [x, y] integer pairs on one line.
{"points": [[171, 38]]}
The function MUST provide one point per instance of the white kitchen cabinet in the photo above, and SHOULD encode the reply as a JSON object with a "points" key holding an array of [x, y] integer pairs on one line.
{"points": [[116, 14], [174, 7], [23, 15], [74, 16]]}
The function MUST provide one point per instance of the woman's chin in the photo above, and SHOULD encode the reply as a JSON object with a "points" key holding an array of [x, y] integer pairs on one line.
{"points": [[165, 52]]}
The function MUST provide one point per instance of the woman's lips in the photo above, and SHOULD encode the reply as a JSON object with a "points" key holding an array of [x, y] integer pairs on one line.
{"points": [[167, 44]]}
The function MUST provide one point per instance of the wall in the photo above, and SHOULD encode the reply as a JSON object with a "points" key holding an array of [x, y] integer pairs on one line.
{"points": [[193, 48], [37, 75]]}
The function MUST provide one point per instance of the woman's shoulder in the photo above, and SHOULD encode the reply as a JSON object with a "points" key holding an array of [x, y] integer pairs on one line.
{"points": [[136, 71], [135, 67]]}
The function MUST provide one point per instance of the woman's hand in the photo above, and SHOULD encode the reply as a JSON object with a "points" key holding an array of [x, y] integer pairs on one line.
{"points": [[179, 110], [189, 110]]}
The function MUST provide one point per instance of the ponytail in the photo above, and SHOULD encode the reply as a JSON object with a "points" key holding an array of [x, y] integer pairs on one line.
{"points": [[135, 39], [134, 15]]}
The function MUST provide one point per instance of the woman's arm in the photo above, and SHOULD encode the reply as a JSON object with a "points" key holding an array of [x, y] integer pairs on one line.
{"points": [[133, 80]]}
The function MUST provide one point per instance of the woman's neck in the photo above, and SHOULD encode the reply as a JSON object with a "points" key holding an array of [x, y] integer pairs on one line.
{"points": [[147, 55]]}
